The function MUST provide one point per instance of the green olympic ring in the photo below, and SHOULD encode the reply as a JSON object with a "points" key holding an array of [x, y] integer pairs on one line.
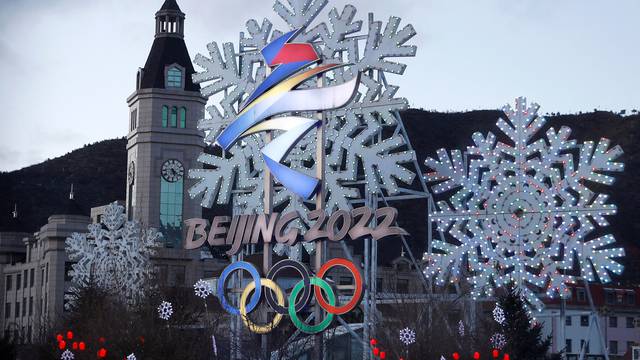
{"points": [[306, 328]]}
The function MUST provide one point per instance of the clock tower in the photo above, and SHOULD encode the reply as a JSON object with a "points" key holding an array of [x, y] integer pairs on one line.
{"points": [[163, 139]]}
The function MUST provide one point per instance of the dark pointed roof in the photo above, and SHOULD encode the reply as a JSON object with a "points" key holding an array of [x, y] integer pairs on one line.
{"points": [[170, 5], [166, 51]]}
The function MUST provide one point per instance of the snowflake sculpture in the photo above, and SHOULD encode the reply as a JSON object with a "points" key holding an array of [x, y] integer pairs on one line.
{"points": [[202, 288], [114, 255], [498, 314], [165, 310], [131, 357], [498, 341], [356, 146], [461, 328], [407, 336], [67, 355], [521, 211]]}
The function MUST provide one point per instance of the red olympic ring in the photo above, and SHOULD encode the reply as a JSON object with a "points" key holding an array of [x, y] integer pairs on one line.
{"points": [[339, 310]]}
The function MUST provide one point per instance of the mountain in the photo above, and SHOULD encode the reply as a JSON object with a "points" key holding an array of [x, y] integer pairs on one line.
{"points": [[98, 172]]}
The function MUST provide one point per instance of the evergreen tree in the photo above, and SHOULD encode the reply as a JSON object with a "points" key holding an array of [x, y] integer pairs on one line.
{"points": [[524, 338]]}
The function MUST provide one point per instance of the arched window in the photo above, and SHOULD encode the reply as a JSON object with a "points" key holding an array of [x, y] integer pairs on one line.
{"points": [[174, 77], [174, 117], [165, 115], [183, 117]]}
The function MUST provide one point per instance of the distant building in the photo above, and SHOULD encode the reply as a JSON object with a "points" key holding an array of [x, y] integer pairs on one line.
{"points": [[35, 276], [572, 326]]}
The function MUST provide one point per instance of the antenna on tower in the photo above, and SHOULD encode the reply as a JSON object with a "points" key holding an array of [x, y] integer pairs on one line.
{"points": [[71, 193], [14, 213]]}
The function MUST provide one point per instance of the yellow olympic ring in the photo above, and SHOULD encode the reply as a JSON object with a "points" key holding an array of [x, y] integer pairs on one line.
{"points": [[261, 329]]}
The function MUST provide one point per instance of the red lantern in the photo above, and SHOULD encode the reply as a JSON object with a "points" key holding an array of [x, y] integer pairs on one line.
{"points": [[476, 355], [81, 346], [456, 356], [74, 346], [373, 342], [376, 351], [496, 353], [506, 357], [62, 344], [383, 354], [102, 353], [59, 337], [69, 335]]}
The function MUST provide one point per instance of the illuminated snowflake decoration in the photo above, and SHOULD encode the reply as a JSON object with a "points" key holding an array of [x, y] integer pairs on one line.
{"points": [[498, 314], [521, 211], [357, 146], [131, 357], [407, 336], [67, 355], [461, 328], [115, 254], [202, 288], [498, 341], [165, 310]]}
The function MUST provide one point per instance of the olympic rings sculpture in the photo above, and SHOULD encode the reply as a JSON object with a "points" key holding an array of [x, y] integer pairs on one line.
{"points": [[299, 299]]}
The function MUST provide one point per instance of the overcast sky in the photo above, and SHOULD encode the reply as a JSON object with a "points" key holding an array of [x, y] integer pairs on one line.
{"points": [[67, 66]]}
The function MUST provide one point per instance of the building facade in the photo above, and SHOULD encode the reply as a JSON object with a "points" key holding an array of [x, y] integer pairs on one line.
{"points": [[573, 327], [33, 287]]}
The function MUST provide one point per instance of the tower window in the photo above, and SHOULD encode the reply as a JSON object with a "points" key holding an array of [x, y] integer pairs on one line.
{"points": [[165, 115], [174, 77], [171, 211], [183, 117], [174, 117]]}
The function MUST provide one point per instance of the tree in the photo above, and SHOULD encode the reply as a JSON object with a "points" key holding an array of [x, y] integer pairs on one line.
{"points": [[524, 337]]}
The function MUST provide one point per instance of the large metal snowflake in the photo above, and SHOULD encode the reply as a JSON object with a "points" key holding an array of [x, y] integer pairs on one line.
{"points": [[114, 254], [523, 211], [357, 147]]}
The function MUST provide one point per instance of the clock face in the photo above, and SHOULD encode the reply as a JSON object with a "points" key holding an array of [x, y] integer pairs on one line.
{"points": [[131, 174], [172, 170]]}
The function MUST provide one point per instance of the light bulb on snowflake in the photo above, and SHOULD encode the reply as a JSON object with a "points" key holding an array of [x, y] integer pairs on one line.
{"points": [[521, 211], [165, 310], [407, 336]]}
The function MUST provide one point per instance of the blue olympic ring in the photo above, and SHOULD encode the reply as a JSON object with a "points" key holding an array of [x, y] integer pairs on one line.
{"points": [[255, 298]]}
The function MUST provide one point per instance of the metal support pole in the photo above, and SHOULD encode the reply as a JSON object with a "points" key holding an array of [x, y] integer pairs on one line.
{"points": [[319, 253]]}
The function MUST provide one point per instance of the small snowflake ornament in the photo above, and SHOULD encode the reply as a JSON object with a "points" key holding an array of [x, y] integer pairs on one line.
{"points": [[202, 288], [165, 310], [67, 355], [131, 357], [498, 341], [461, 328], [498, 314], [407, 336]]}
